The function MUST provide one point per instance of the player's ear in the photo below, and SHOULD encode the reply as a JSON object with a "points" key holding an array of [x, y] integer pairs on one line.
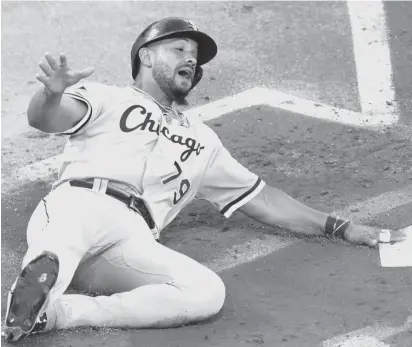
{"points": [[146, 57]]}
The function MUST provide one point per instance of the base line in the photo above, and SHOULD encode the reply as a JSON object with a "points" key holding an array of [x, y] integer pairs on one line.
{"points": [[370, 336], [372, 57]]}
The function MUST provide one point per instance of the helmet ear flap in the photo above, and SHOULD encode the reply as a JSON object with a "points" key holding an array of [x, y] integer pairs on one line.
{"points": [[197, 77]]}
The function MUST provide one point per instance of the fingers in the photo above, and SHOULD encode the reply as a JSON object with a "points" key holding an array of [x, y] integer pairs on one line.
{"points": [[63, 60], [41, 78], [399, 235], [45, 68], [368, 239], [391, 236], [60, 72], [372, 243], [385, 236], [86, 72], [50, 64], [83, 74], [363, 235], [51, 61], [372, 236]]}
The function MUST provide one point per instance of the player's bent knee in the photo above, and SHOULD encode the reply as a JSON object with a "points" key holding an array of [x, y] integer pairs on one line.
{"points": [[218, 297], [208, 296]]}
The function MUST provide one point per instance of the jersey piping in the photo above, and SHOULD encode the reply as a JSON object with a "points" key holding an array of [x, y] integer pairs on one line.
{"points": [[85, 120], [243, 199]]}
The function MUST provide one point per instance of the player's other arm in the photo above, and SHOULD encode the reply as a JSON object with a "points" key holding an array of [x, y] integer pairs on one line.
{"points": [[49, 109], [54, 112], [275, 208]]}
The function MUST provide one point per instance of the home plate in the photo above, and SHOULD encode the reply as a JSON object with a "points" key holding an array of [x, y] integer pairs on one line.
{"points": [[397, 254]]}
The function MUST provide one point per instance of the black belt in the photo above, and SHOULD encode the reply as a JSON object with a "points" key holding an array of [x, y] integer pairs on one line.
{"points": [[133, 202]]}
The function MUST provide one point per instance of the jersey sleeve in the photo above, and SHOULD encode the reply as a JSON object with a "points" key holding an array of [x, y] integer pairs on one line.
{"points": [[93, 95], [227, 184]]}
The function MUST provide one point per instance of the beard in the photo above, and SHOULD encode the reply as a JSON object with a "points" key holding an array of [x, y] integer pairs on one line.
{"points": [[166, 79]]}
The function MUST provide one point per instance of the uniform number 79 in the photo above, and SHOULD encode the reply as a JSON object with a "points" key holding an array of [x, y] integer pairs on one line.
{"points": [[184, 184]]}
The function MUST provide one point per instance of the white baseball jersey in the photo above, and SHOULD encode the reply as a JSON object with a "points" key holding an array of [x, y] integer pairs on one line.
{"points": [[127, 138]]}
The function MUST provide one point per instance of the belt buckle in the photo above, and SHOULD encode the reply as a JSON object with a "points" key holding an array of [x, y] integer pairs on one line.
{"points": [[132, 204]]}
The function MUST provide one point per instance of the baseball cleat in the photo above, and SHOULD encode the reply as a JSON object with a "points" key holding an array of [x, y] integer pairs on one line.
{"points": [[28, 297]]}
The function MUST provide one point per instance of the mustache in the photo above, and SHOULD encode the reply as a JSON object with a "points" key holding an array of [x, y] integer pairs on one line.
{"points": [[188, 67]]}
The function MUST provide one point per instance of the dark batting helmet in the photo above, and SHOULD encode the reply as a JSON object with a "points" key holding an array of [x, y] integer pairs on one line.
{"points": [[175, 27]]}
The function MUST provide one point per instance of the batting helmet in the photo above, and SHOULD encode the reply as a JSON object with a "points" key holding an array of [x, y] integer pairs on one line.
{"points": [[175, 27]]}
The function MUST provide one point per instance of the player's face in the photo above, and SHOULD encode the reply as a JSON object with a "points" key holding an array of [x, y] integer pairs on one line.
{"points": [[174, 66]]}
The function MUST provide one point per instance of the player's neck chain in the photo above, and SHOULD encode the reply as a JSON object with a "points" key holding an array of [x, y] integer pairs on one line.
{"points": [[148, 96], [170, 111]]}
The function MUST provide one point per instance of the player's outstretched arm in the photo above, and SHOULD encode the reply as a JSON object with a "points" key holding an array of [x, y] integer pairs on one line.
{"points": [[49, 110], [275, 208]]}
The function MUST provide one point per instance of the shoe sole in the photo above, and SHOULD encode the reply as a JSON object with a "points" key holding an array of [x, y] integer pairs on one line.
{"points": [[28, 295]]}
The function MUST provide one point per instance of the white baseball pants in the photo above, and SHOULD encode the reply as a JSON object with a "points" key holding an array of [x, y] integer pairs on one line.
{"points": [[106, 249]]}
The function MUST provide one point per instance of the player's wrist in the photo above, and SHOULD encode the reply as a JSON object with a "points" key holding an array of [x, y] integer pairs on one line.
{"points": [[336, 227], [51, 93]]}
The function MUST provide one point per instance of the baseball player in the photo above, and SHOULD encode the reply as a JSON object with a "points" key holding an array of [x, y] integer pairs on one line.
{"points": [[132, 162]]}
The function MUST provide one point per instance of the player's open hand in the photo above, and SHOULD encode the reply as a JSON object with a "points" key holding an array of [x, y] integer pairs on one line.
{"points": [[59, 76], [371, 236]]}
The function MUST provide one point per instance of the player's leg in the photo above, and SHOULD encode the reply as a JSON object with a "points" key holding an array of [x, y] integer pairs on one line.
{"points": [[47, 266], [154, 287], [63, 227]]}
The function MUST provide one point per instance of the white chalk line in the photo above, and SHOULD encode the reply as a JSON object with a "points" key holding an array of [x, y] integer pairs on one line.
{"points": [[370, 336], [264, 96], [372, 57], [378, 204], [249, 251], [248, 98]]}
